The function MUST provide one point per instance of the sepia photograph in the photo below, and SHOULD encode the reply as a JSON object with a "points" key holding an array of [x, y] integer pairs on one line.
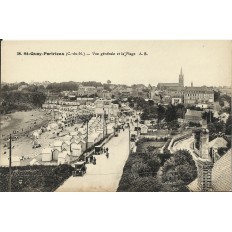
{"points": [[116, 116]]}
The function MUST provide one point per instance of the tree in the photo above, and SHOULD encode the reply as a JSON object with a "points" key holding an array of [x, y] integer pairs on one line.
{"points": [[154, 163], [208, 116], [216, 95], [216, 128], [180, 169], [160, 112], [145, 184], [180, 110], [5, 88], [170, 114], [228, 126], [108, 82]]}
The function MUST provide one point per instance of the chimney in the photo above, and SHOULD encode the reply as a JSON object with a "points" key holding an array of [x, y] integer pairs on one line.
{"points": [[204, 141], [204, 168], [204, 163]]}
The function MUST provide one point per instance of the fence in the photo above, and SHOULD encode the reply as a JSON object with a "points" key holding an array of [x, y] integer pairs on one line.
{"points": [[178, 138]]}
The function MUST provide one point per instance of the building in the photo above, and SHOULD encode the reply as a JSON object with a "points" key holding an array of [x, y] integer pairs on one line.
{"points": [[189, 95], [66, 145], [176, 100], [47, 154], [106, 108], [76, 149], [220, 179], [64, 157], [86, 90], [196, 95], [213, 147], [58, 144], [55, 153], [144, 129], [193, 116], [164, 86]]}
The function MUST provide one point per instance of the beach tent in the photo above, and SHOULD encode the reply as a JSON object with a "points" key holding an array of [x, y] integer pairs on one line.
{"points": [[55, 153], [47, 154], [58, 144], [66, 145], [76, 149], [34, 162], [64, 157]]}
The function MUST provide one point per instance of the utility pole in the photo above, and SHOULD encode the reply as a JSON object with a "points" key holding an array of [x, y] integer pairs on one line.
{"points": [[87, 134], [105, 125], [10, 165]]}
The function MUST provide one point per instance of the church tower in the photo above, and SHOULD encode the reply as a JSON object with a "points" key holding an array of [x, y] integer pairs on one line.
{"points": [[181, 79]]}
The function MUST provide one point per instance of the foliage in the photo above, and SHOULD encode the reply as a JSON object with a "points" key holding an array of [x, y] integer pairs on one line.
{"points": [[149, 112], [91, 83], [180, 110], [34, 178], [145, 184], [216, 95], [180, 169], [215, 129], [18, 101], [194, 124], [63, 86], [174, 125], [164, 156], [160, 113], [208, 116], [228, 126], [170, 114], [223, 98]]}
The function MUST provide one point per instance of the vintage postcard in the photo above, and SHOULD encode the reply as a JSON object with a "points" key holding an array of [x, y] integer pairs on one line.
{"points": [[115, 116]]}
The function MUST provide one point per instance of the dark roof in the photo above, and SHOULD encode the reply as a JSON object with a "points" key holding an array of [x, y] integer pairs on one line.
{"points": [[168, 84], [221, 175]]}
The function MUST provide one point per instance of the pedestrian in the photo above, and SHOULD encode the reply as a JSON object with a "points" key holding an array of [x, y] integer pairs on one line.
{"points": [[94, 161], [91, 158], [107, 149], [87, 160], [107, 154]]}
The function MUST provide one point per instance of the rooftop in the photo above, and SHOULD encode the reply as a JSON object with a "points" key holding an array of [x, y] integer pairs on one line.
{"points": [[218, 142], [193, 113], [221, 175]]}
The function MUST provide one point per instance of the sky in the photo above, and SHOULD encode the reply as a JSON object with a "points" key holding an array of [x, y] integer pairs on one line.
{"points": [[203, 62]]}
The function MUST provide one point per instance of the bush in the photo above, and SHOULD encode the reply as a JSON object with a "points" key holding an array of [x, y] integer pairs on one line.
{"points": [[180, 169], [35, 178], [145, 184]]}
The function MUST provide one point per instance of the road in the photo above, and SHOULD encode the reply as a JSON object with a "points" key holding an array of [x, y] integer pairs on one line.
{"points": [[185, 144], [106, 174]]}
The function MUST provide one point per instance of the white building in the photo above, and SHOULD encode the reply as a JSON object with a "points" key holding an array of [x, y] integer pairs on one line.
{"points": [[47, 154], [76, 149], [64, 157]]}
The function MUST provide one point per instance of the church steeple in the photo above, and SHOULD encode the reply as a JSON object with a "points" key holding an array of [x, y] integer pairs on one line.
{"points": [[181, 78]]}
